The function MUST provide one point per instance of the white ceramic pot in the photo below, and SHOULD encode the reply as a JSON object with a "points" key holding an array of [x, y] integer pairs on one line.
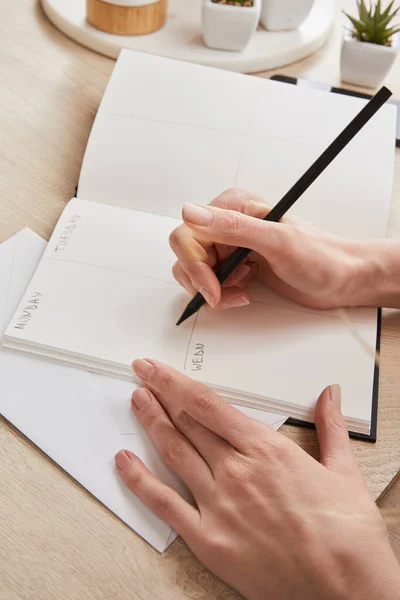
{"points": [[282, 15], [229, 27], [130, 2], [366, 64]]}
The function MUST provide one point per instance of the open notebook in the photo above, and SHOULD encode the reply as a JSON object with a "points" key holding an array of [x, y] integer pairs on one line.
{"points": [[169, 132]]}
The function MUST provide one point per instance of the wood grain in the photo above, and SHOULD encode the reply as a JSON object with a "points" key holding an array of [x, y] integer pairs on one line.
{"points": [[56, 541], [126, 20]]}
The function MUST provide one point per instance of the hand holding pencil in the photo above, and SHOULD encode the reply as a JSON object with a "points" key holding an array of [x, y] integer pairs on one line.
{"points": [[236, 258], [307, 265]]}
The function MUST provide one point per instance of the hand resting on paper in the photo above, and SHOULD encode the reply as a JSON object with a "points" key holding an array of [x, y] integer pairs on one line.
{"points": [[305, 264], [267, 518]]}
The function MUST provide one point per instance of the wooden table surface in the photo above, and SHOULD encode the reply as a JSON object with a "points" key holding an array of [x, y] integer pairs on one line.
{"points": [[56, 541]]}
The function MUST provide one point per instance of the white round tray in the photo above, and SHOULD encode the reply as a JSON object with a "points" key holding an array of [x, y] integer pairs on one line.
{"points": [[180, 38]]}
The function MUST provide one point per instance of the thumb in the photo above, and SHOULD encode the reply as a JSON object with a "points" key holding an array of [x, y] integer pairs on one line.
{"points": [[237, 229], [334, 444]]}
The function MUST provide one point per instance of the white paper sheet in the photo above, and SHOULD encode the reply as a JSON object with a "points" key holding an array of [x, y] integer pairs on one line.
{"points": [[77, 418]]}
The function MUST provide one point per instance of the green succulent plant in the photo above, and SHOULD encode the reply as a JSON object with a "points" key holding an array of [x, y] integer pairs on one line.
{"points": [[373, 24]]}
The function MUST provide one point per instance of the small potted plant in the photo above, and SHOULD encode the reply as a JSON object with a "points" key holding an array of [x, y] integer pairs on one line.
{"points": [[229, 24], [369, 48], [284, 15]]}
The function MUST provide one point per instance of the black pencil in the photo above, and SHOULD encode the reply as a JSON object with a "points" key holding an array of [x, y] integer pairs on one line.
{"points": [[297, 190]]}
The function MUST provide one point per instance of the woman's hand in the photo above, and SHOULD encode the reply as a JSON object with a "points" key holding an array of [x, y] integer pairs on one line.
{"points": [[268, 519], [309, 266]]}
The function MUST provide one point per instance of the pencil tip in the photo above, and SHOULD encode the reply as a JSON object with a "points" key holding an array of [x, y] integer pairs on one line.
{"points": [[188, 312]]}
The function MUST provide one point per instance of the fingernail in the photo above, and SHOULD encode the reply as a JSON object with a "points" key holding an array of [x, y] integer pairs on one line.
{"points": [[335, 395], [207, 296], [198, 215], [122, 460], [142, 368], [236, 302], [141, 398]]}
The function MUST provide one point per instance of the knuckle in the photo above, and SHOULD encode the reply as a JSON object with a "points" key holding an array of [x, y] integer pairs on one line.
{"points": [[179, 274], [172, 239], [204, 403], [217, 544], [175, 238], [176, 270], [227, 199], [331, 422], [184, 421], [133, 479], [232, 222], [164, 377], [241, 200], [337, 424], [277, 449], [149, 419], [175, 451], [281, 450], [234, 192], [162, 505], [234, 470]]}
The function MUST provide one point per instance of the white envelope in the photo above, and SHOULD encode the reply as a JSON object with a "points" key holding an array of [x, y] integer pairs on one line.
{"points": [[77, 418]]}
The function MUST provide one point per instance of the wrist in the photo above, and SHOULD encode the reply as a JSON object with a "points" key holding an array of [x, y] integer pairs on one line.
{"points": [[376, 576], [378, 277], [382, 582]]}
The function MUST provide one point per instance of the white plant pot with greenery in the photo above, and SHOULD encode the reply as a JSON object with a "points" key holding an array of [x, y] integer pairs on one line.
{"points": [[369, 49], [283, 15], [229, 24]]}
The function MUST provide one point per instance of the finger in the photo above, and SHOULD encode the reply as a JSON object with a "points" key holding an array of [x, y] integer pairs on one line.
{"points": [[201, 403], [273, 240], [242, 201], [335, 449], [158, 497], [201, 276], [209, 445], [191, 247], [249, 203], [183, 278], [242, 274], [197, 254], [197, 259], [203, 280], [232, 297], [173, 447]]}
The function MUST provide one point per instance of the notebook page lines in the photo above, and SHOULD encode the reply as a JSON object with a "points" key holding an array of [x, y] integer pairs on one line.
{"points": [[112, 269]]}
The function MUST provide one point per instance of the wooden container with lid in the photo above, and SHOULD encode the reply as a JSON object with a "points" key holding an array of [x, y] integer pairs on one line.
{"points": [[126, 17]]}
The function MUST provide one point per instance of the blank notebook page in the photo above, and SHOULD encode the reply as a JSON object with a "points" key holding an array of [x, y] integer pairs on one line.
{"points": [[169, 132]]}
